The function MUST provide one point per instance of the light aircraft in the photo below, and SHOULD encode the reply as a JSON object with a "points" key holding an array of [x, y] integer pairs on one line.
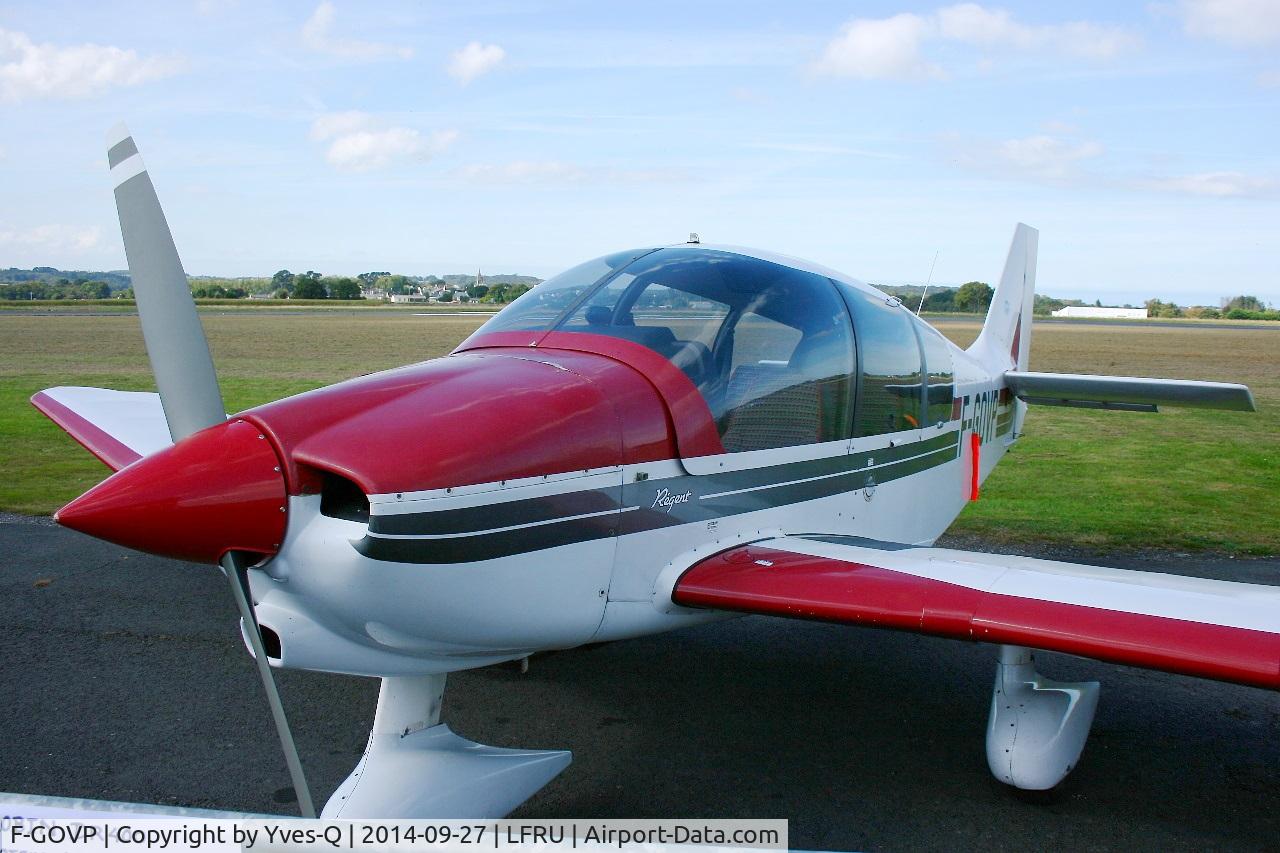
{"points": [[653, 439]]}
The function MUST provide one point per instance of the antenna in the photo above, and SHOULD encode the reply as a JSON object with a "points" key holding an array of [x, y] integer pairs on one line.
{"points": [[927, 282]]}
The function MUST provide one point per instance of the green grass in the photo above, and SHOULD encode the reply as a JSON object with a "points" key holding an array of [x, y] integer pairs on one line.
{"points": [[1182, 479]]}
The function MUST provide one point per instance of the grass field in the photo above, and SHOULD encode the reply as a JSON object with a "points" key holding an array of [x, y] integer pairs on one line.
{"points": [[1182, 479]]}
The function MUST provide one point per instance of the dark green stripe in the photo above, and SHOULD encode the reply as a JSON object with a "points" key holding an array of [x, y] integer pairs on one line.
{"points": [[848, 474]]}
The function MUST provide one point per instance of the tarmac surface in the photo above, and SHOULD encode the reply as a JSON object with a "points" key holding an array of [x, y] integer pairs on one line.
{"points": [[123, 677]]}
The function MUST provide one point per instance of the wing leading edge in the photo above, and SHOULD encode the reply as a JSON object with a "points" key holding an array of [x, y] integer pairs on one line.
{"points": [[1213, 629]]}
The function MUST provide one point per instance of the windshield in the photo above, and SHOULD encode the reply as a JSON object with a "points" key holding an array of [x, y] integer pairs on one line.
{"points": [[769, 346], [539, 308]]}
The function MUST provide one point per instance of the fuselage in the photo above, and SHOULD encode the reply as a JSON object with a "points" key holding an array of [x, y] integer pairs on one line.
{"points": [[544, 487]]}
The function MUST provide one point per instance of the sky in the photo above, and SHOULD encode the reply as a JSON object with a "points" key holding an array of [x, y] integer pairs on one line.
{"points": [[424, 136]]}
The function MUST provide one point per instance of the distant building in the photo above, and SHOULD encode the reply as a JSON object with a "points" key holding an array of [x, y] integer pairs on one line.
{"points": [[1109, 313], [408, 297]]}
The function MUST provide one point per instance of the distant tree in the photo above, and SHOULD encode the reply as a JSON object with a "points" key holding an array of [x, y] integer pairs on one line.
{"points": [[445, 296], [307, 285], [369, 278], [1097, 303], [940, 300], [199, 293], [236, 293], [216, 291], [344, 288], [1244, 303], [517, 291], [973, 296], [282, 280], [395, 284], [1156, 308], [477, 291], [282, 294], [1045, 305]]}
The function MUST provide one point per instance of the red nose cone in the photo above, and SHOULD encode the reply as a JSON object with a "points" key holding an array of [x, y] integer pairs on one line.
{"points": [[216, 491]]}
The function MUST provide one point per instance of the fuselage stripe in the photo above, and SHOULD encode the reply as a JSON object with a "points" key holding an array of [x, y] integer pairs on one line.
{"points": [[637, 507]]}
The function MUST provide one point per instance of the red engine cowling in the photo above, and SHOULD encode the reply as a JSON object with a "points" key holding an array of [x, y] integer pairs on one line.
{"points": [[471, 418]]}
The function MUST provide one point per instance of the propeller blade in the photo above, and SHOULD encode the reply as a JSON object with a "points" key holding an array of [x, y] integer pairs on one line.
{"points": [[175, 339], [238, 574]]}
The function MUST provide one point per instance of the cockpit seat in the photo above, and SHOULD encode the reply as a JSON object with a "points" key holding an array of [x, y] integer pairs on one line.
{"points": [[769, 405]]}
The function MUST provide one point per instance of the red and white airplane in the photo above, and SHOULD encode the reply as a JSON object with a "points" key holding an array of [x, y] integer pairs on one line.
{"points": [[702, 432]]}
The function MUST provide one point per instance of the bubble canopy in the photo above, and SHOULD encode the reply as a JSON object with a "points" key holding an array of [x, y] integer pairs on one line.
{"points": [[770, 347]]}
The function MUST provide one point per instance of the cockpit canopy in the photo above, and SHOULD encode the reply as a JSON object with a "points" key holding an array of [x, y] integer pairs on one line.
{"points": [[771, 348]]}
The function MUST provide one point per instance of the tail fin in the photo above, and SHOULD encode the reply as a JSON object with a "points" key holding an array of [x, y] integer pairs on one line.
{"points": [[1005, 341]]}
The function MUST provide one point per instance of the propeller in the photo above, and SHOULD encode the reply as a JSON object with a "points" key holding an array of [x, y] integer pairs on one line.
{"points": [[184, 374]]}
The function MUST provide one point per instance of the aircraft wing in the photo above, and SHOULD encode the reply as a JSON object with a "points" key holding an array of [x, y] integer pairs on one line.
{"points": [[118, 427], [1208, 628], [1126, 392]]}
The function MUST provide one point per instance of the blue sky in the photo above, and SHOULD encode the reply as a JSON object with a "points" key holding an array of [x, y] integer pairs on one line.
{"points": [[1142, 139]]}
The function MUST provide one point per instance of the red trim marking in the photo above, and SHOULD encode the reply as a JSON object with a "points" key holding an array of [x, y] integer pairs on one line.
{"points": [[975, 444], [807, 587], [110, 450]]}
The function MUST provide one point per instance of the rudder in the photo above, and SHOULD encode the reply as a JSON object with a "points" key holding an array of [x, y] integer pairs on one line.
{"points": [[1005, 340]]}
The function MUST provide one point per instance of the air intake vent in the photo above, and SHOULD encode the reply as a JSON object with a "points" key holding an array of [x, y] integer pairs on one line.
{"points": [[341, 498]]}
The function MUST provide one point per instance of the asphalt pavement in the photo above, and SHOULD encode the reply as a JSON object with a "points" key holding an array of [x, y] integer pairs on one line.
{"points": [[123, 678]]}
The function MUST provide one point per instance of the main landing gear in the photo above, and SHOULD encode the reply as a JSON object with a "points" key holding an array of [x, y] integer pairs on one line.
{"points": [[414, 766]]}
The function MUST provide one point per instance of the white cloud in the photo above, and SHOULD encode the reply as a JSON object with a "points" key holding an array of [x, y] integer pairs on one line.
{"points": [[1041, 158], [983, 27], [1238, 22], [1216, 185], [1044, 156], [474, 60], [215, 7], [1061, 161], [30, 70], [51, 238], [557, 172], [358, 143], [1054, 125], [330, 125], [824, 148], [317, 34], [523, 172], [871, 48]]}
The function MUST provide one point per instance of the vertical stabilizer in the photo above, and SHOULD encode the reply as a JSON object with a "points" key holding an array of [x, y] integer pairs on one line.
{"points": [[1005, 341]]}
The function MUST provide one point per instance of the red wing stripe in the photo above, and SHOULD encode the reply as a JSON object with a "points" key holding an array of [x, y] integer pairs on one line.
{"points": [[757, 579], [111, 451]]}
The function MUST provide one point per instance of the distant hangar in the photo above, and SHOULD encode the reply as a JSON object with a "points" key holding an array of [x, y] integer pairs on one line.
{"points": [[1095, 312]]}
